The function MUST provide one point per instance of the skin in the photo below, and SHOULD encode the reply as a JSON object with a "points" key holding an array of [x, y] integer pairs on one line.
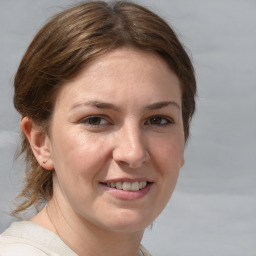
{"points": [[137, 135]]}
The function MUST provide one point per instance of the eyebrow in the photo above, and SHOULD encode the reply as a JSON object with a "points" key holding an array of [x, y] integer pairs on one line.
{"points": [[105, 105], [162, 104], [97, 104]]}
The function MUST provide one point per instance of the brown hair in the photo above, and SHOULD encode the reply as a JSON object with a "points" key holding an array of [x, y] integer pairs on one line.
{"points": [[68, 42]]}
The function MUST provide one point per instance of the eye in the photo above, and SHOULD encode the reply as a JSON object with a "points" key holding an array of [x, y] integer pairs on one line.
{"points": [[94, 121], [159, 120]]}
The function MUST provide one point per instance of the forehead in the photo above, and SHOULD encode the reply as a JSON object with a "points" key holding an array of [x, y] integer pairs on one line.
{"points": [[123, 71]]}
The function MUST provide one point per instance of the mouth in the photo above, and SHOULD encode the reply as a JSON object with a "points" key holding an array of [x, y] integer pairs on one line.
{"points": [[127, 186], [127, 190]]}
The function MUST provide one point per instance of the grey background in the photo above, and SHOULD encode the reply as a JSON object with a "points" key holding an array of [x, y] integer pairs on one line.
{"points": [[213, 210]]}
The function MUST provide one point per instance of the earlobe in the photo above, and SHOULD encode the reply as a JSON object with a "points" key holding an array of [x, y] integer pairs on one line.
{"points": [[39, 142]]}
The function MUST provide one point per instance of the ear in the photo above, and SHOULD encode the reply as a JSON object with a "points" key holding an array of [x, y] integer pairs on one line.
{"points": [[39, 142]]}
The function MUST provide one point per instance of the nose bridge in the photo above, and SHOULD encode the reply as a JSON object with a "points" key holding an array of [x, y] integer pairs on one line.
{"points": [[131, 147], [133, 136]]}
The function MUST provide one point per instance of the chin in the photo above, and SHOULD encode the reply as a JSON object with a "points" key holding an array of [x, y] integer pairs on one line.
{"points": [[129, 221]]}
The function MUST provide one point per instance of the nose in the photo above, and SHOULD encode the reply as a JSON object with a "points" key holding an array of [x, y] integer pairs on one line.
{"points": [[130, 148]]}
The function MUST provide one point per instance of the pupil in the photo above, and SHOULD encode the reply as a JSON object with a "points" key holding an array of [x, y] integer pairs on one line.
{"points": [[94, 120], [156, 120]]}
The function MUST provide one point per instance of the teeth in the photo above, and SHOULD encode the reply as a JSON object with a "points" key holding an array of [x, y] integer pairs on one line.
{"points": [[143, 184], [135, 186], [119, 185], [128, 186]]}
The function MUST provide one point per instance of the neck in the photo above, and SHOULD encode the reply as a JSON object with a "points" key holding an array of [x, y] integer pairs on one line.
{"points": [[85, 238]]}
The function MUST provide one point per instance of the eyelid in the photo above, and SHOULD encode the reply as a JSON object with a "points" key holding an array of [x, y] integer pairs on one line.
{"points": [[85, 120], [169, 120], [106, 121]]}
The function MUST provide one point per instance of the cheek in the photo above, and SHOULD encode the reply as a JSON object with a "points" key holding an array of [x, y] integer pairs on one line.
{"points": [[77, 154], [168, 153], [168, 159], [78, 161]]}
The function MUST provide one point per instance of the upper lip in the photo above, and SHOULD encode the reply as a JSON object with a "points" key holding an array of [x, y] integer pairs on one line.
{"points": [[126, 180]]}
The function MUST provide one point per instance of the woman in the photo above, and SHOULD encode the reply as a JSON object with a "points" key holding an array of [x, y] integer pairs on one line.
{"points": [[106, 94]]}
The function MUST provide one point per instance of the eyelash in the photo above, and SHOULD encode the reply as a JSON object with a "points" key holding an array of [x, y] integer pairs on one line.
{"points": [[167, 120], [98, 119], [88, 119]]}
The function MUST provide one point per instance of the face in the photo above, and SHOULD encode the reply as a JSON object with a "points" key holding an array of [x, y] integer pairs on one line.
{"points": [[117, 141]]}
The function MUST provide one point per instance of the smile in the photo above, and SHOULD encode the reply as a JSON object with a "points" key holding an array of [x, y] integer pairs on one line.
{"points": [[128, 186], [127, 190]]}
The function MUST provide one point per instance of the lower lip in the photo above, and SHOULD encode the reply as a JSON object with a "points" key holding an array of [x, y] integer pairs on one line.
{"points": [[128, 195]]}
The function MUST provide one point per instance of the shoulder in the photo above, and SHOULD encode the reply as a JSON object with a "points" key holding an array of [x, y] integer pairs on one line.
{"points": [[15, 246], [29, 239], [12, 248], [13, 242], [143, 251]]}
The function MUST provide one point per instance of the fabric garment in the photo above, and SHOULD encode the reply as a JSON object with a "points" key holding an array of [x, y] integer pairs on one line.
{"points": [[26, 238]]}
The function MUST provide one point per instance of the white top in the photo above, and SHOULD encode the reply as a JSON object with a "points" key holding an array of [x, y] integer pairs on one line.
{"points": [[26, 238]]}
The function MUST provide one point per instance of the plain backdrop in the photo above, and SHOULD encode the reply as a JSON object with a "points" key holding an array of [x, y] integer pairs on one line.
{"points": [[213, 209]]}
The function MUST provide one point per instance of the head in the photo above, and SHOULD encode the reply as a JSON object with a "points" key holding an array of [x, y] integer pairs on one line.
{"points": [[70, 42]]}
